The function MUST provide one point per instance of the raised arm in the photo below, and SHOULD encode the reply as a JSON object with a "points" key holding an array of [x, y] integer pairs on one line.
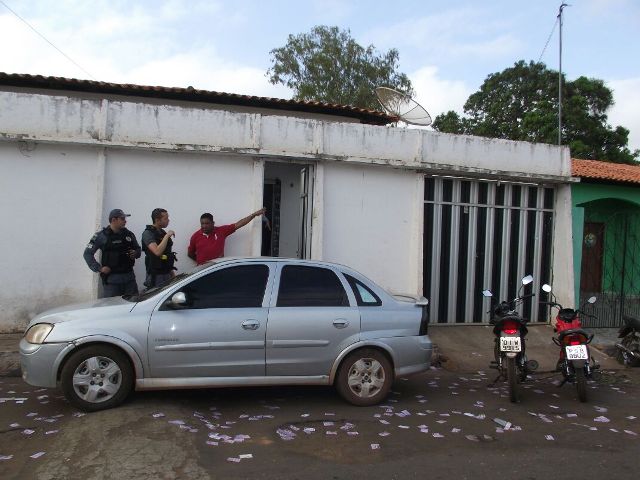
{"points": [[242, 222]]}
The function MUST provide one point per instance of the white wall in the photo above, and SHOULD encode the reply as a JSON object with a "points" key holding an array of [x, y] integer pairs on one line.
{"points": [[113, 123], [67, 161], [370, 223], [47, 203], [186, 185], [563, 269]]}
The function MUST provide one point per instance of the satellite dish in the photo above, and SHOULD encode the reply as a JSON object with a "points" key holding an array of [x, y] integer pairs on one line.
{"points": [[402, 106]]}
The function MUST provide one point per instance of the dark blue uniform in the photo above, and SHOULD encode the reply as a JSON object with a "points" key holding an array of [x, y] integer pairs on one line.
{"points": [[115, 249]]}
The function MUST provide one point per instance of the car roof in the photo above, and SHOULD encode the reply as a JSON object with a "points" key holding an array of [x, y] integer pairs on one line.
{"points": [[223, 260]]}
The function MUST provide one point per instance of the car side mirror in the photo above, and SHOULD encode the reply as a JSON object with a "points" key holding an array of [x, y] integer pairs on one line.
{"points": [[179, 299]]}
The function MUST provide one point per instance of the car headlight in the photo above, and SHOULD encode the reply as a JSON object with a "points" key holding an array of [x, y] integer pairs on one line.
{"points": [[38, 333]]}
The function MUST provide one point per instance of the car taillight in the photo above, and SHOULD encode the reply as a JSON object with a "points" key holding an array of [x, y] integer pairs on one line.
{"points": [[510, 327], [424, 321]]}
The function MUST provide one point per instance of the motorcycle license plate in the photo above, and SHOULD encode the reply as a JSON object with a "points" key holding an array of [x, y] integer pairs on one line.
{"points": [[510, 344], [577, 352]]}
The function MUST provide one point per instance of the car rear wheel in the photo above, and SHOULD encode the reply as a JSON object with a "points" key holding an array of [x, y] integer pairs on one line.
{"points": [[96, 378], [365, 377]]}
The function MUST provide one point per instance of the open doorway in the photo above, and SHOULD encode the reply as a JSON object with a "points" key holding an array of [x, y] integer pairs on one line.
{"points": [[288, 191]]}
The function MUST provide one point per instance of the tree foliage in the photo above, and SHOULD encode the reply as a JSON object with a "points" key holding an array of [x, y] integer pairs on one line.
{"points": [[521, 103], [328, 65]]}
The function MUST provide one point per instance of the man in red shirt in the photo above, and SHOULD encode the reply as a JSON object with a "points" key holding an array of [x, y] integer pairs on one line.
{"points": [[208, 242]]}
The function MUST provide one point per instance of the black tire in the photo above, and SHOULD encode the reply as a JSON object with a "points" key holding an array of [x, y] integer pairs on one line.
{"points": [[632, 344], [364, 377], [581, 384], [620, 357], [512, 379], [96, 378]]}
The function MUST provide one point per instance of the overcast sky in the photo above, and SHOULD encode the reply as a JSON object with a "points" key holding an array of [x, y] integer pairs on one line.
{"points": [[446, 47]]}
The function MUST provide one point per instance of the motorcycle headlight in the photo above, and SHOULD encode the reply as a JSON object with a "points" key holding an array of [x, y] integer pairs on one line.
{"points": [[38, 333]]}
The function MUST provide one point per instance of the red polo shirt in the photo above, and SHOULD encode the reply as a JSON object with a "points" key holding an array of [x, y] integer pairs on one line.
{"points": [[208, 247]]}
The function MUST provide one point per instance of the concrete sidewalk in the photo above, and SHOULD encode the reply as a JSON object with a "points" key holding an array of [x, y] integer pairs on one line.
{"points": [[469, 348], [9, 357], [461, 348]]}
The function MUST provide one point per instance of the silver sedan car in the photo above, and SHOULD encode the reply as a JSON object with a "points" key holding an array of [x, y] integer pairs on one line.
{"points": [[233, 322]]}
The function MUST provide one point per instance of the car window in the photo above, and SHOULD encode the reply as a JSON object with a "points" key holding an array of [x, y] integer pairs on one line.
{"points": [[302, 286], [364, 295], [234, 287]]}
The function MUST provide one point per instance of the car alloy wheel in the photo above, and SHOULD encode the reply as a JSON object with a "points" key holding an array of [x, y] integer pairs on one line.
{"points": [[97, 377], [365, 377]]}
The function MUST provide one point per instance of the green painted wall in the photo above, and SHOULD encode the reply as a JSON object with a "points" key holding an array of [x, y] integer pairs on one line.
{"points": [[599, 203]]}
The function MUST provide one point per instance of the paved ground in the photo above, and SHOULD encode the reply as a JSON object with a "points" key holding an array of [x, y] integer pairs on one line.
{"points": [[436, 425]]}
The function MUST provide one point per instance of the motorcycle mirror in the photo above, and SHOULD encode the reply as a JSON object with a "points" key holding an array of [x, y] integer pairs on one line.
{"points": [[527, 280], [546, 288], [487, 293], [592, 300]]}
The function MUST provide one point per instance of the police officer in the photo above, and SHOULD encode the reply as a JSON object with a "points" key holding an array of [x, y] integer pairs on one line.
{"points": [[119, 252], [157, 245]]}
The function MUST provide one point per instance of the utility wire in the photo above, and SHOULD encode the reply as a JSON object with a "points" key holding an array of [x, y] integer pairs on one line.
{"points": [[548, 39], [45, 39]]}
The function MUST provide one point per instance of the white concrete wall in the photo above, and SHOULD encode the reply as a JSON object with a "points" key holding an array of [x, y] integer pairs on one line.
{"points": [[67, 161], [563, 269], [47, 204], [186, 185], [175, 128], [370, 223]]}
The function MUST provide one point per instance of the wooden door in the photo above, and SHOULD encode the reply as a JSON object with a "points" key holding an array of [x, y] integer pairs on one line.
{"points": [[592, 256]]}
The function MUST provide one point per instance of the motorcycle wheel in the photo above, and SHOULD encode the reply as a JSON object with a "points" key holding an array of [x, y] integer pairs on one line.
{"points": [[620, 357], [632, 344], [512, 379], [581, 384]]}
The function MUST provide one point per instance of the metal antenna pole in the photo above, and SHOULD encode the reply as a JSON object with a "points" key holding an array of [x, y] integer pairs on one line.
{"points": [[560, 77]]}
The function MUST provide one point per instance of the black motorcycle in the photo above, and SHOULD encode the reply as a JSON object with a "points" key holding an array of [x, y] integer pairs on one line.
{"points": [[509, 344], [629, 346]]}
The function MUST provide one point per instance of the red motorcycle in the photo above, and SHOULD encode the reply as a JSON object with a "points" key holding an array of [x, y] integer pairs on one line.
{"points": [[575, 362]]}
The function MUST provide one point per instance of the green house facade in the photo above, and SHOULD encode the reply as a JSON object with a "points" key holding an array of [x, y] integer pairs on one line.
{"points": [[606, 239]]}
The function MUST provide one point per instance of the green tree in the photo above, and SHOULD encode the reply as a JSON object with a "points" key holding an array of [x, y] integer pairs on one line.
{"points": [[328, 65], [521, 103]]}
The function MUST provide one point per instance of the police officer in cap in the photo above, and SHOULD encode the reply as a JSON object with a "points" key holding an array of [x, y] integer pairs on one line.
{"points": [[119, 252]]}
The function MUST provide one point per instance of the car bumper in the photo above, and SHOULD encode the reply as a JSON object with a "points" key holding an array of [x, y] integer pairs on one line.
{"points": [[414, 356], [39, 363]]}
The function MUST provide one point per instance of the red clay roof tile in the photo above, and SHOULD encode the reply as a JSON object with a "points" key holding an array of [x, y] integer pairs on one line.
{"points": [[596, 170]]}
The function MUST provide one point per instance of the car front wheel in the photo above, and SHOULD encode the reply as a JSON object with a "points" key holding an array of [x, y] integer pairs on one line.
{"points": [[365, 377], [96, 378]]}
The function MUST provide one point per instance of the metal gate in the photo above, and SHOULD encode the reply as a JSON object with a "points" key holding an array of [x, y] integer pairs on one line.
{"points": [[482, 234], [610, 267]]}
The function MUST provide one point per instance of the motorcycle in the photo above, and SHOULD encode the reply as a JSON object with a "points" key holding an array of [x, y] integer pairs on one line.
{"points": [[575, 362], [629, 347], [509, 344]]}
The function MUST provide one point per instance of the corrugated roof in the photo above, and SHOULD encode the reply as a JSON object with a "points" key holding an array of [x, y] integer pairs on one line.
{"points": [[596, 170], [191, 94]]}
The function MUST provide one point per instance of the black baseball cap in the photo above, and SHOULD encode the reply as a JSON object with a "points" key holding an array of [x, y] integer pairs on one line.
{"points": [[117, 213]]}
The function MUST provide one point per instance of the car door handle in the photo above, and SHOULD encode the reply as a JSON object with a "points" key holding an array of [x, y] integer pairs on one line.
{"points": [[340, 323], [251, 324]]}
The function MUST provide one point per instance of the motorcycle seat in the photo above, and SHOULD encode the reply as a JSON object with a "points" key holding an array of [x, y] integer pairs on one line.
{"points": [[632, 322], [574, 331]]}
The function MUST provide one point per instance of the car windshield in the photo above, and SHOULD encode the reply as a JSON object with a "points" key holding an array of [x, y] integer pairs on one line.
{"points": [[152, 292]]}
